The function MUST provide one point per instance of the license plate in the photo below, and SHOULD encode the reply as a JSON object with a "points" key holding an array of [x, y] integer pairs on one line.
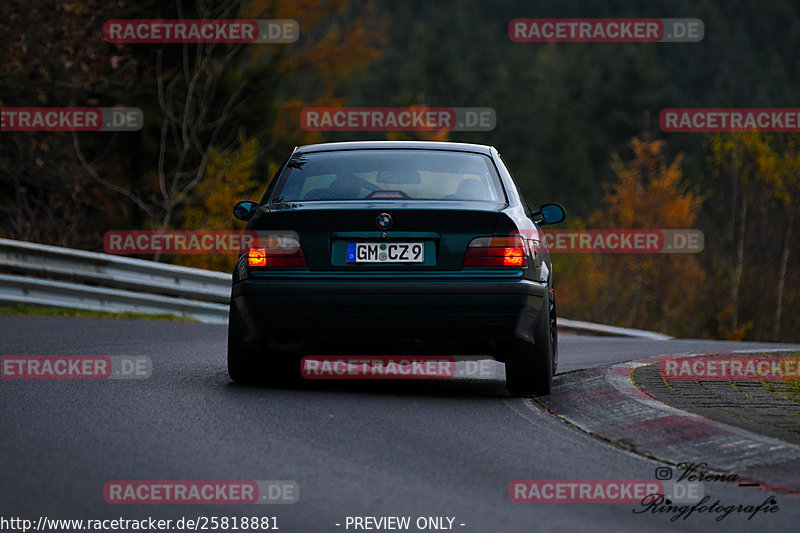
{"points": [[385, 252]]}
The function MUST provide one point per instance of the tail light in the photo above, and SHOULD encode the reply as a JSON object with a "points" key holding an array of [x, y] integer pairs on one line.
{"points": [[496, 252], [277, 252]]}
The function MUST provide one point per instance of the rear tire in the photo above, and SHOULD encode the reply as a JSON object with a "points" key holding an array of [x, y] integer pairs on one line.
{"points": [[530, 368], [241, 368], [258, 366]]}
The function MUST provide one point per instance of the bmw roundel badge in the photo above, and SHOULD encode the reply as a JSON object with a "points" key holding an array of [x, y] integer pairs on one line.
{"points": [[384, 220]]}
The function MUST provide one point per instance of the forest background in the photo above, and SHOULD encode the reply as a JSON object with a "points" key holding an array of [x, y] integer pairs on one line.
{"points": [[577, 123]]}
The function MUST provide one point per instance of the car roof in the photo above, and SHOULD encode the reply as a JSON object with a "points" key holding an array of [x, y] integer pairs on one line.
{"points": [[412, 145]]}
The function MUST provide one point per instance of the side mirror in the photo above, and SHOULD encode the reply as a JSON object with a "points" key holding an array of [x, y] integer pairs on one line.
{"points": [[245, 210], [550, 213]]}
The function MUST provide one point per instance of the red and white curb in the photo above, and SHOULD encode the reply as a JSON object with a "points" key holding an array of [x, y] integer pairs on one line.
{"points": [[606, 403]]}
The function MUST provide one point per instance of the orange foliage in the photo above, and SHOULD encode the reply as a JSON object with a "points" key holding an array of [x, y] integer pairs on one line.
{"points": [[649, 194], [648, 291], [325, 57]]}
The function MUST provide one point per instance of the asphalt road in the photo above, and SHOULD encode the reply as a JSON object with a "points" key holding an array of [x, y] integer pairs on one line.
{"points": [[418, 449]]}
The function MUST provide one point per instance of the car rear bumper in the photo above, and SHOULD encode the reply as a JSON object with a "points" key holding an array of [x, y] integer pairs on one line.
{"points": [[329, 312]]}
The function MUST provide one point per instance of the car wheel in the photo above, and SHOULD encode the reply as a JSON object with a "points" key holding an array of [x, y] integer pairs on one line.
{"points": [[263, 367], [530, 368], [554, 329], [241, 367]]}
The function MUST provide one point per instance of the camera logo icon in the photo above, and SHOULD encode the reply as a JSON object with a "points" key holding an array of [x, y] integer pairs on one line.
{"points": [[663, 473]]}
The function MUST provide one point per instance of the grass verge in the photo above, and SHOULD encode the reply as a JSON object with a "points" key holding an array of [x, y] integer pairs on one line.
{"points": [[795, 382], [65, 311]]}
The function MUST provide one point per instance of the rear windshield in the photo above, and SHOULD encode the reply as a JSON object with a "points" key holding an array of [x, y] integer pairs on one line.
{"points": [[389, 175]]}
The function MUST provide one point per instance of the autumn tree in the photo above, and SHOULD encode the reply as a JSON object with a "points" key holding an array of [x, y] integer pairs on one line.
{"points": [[200, 93], [52, 53], [338, 38], [737, 158], [649, 291], [779, 172], [209, 93], [763, 170], [228, 178]]}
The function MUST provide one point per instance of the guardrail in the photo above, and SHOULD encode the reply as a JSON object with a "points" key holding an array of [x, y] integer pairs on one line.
{"points": [[53, 276], [591, 328]]}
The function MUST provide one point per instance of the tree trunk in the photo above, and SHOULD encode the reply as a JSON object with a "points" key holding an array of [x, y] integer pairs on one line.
{"points": [[787, 239], [737, 271]]}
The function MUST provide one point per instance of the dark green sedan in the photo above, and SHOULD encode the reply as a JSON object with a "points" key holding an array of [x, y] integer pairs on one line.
{"points": [[394, 247]]}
